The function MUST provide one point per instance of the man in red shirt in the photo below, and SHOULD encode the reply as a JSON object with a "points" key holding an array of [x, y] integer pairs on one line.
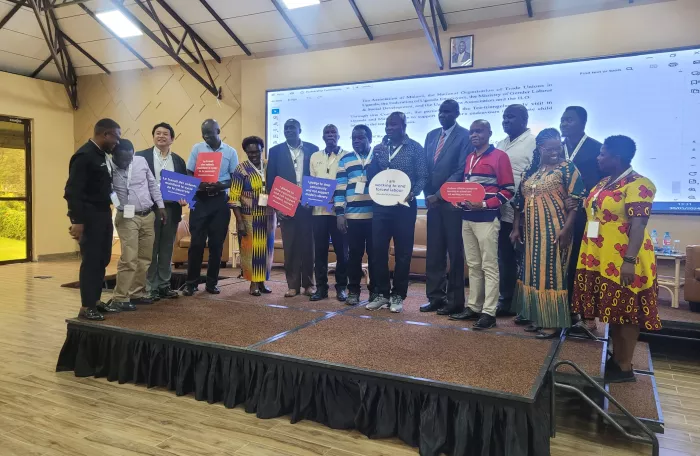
{"points": [[491, 168]]}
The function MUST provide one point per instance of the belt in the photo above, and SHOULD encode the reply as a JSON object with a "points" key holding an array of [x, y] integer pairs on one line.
{"points": [[200, 194], [140, 214]]}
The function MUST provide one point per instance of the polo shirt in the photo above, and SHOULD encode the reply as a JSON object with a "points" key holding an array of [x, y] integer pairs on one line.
{"points": [[325, 166], [520, 152], [229, 159], [492, 170], [351, 170]]}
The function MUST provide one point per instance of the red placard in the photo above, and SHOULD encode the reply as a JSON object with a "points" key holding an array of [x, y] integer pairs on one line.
{"points": [[459, 192], [208, 166], [284, 196]]}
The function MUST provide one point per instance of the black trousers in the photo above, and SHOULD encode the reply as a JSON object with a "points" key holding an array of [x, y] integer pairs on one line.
{"points": [[298, 245], [359, 239], [445, 239], [507, 265], [325, 227], [95, 252], [209, 221], [397, 223]]}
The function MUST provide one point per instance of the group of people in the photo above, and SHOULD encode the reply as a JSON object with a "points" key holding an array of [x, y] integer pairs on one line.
{"points": [[560, 234]]}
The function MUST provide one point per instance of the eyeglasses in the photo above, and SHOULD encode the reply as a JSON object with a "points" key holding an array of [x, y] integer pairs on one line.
{"points": [[551, 150]]}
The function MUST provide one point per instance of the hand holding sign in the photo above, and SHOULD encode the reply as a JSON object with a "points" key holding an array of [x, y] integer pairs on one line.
{"points": [[390, 187], [459, 192], [208, 166], [178, 187], [317, 192]]}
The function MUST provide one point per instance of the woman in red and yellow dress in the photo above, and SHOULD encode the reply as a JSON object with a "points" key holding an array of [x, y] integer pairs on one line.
{"points": [[616, 273]]}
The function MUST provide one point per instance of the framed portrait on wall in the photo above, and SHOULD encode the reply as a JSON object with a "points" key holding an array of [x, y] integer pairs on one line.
{"points": [[462, 51]]}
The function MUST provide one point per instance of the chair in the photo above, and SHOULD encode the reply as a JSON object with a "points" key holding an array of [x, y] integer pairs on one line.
{"points": [[183, 240]]}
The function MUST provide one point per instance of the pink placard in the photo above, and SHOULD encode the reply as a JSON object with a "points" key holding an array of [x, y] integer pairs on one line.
{"points": [[284, 196], [208, 166], [459, 192]]}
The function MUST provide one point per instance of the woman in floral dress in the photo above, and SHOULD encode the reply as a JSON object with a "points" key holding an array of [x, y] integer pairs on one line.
{"points": [[616, 273]]}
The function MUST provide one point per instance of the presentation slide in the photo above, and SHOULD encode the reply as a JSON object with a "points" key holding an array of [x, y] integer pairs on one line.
{"points": [[654, 98]]}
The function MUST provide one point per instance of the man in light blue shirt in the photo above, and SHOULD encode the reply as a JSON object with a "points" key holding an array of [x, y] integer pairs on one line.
{"points": [[210, 216]]}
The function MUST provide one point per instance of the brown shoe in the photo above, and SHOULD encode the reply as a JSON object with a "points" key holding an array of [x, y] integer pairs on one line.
{"points": [[291, 293]]}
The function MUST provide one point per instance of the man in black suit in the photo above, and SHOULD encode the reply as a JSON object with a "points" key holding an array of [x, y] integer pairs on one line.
{"points": [[447, 149], [160, 158], [290, 161], [583, 151]]}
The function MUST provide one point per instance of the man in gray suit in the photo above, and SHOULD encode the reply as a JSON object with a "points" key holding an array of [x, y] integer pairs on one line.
{"points": [[447, 149]]}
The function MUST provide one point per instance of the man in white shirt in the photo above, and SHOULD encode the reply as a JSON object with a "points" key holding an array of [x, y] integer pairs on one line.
{"points": [[160, 158], [519, 145]]}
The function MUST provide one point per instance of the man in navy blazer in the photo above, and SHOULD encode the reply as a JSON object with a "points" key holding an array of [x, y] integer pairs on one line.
{"points": [[447, 149], [290, 161], [159, 158]]}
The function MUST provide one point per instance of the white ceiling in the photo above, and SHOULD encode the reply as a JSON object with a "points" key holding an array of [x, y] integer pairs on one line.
{"points": [[256, 22]]}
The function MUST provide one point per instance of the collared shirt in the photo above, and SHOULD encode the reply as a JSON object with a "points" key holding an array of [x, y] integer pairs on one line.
{"points": [[89, 182], [493, 170], [325, 166], [229, 159], [160, 163], [448, 132], [519, 152], [297, 154], [143, 189], [352, 168]]}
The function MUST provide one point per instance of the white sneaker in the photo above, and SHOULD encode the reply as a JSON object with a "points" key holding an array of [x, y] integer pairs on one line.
{"points": [[396, 304], [380, 302]]}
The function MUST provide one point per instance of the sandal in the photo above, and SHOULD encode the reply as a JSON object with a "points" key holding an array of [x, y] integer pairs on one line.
{"points": [[545, 335]]}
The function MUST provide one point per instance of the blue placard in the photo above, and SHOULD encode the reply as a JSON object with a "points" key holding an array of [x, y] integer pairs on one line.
{"points": [[176, 186], [317, 192]]}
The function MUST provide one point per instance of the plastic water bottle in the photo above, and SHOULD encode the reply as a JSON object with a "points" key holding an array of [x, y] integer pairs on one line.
{"points": [[655, 239], [667, 243]]}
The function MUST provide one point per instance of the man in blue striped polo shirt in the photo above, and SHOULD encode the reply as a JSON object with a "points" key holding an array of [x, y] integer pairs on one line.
{"points": [[353, 208]]}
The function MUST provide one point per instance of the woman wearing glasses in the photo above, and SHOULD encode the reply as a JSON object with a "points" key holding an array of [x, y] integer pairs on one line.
{"points": [[541, 294]]}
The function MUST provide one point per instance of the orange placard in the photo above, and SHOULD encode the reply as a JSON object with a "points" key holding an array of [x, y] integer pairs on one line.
{"points": [[284, 196], [208, 166], [459, 192]]}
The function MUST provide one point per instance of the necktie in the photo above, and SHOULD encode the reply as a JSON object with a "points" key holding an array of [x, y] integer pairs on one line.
{"points": [[438, 149]]}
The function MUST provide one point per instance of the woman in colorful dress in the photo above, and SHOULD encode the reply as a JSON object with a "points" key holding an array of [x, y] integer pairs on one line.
{"points": [[616, 272], [255, 221], [541, 293]]}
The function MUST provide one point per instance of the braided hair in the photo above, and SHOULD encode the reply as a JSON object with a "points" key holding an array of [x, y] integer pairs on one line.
{"points": [[545, 135]]}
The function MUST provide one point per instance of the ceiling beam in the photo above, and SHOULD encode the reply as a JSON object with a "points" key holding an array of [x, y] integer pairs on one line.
{"points": [[11, 13], [193, 35], [180, 43], [210, 86], [441, 15], [361, 19], [85, 53], [528, 3], [117, 37], [41, 67], [225, 26], [434, 42], [290, 23]]}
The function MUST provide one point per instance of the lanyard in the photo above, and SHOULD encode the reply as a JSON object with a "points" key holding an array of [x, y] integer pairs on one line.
{"points": [[578, 147], [108, 162], [260, 172], [391, 157], [328, 164], [295, 156], [365, 160], [606, 186], [473, 161], [161, 161]]}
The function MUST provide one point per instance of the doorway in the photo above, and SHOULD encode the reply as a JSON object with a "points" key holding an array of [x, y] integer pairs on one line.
{"points": [[15, 190]]}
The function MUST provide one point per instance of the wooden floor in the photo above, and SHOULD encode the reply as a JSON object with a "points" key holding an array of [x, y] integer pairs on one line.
{"points": [[45, 413]]}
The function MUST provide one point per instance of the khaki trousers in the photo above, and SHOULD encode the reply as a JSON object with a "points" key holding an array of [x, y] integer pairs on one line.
{"points": [[481, 251], [136, 236]]}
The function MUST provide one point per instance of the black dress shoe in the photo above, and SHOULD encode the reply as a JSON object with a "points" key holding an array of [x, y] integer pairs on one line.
{"points": [[167, 293], [189, 289], [552, 335], [433, 306], [154, 295], [520, 321], [264, 289], [450, 310], [128, 306], [466, 314], [212, 290], [90, 314], [504, 312], [319, 295], [486, 321], [341, 295], [619, 376], [110, 307], [145, 300]]}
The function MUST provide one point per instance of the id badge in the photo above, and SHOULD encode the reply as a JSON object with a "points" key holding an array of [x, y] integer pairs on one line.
{"points": [[129, 211], [262, 199], [115, 199], [593, 230], [359, 188]]}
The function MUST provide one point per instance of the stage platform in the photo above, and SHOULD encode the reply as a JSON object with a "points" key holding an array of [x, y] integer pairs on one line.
{"points": [[435, 383]]}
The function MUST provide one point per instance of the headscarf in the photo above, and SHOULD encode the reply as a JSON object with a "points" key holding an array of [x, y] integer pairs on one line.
{"points": [[544, 135]]}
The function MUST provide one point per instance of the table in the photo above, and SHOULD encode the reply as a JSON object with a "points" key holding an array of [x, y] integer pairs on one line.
{"points": [[672, 284]]}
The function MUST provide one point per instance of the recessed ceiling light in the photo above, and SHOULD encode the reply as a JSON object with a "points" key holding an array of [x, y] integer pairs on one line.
{"points": [[119, 24], [291, 4]]}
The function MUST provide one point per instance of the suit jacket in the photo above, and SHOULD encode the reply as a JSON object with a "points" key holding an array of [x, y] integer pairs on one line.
{"points": [[180, 167], [450, 164], [586, 160], [279, 163]]}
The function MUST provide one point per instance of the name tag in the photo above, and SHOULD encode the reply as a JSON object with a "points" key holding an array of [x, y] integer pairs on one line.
{"points": [[129, 211], [262, 200], [360, 188], [593, 230], [115, 199]]}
